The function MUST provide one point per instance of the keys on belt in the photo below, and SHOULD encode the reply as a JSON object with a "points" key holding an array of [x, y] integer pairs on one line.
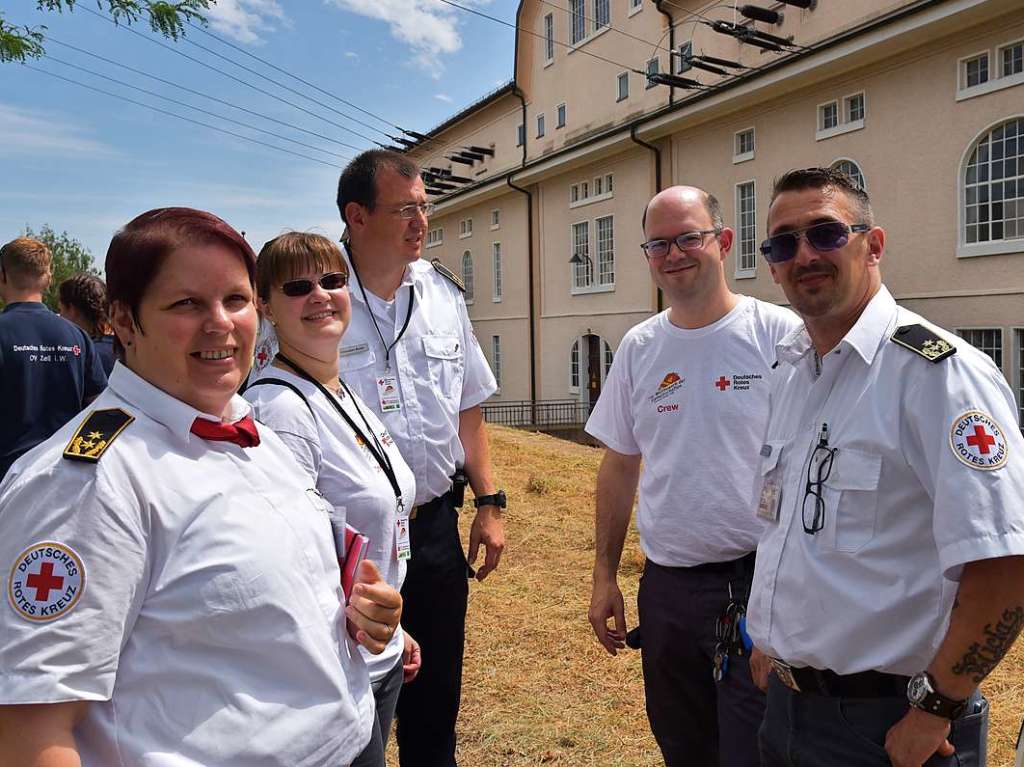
{"points": [[784, 672], [730, 637]]}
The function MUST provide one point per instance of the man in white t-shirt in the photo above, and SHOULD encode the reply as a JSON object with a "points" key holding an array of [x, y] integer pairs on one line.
{"points": [[688, 395]]}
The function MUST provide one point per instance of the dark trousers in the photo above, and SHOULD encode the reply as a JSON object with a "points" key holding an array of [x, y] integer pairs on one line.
{"points": [[695, 720], [434, 612], [805, 730], [385, 697]]}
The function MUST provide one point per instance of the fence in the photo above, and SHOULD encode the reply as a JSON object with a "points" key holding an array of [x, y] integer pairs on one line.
{"points": [[543, 414]]}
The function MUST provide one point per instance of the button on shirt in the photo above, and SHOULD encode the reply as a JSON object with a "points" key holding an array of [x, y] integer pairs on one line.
{"points": [[345, 472], [48, 369], [905, 504], [210, 627], [440, 368], [693, 403]]}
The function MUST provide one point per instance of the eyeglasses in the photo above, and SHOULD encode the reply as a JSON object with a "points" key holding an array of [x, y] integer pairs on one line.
{"points": [[411, 210], [330, 281], [824, 238], [686, 242], [821, 464]]}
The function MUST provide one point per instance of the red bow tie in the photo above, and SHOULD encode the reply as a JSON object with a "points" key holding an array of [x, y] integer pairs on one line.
{"points": [[242, 432]]}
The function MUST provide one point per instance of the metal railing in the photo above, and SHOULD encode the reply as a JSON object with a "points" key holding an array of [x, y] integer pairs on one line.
{"points": [[540, 414]]}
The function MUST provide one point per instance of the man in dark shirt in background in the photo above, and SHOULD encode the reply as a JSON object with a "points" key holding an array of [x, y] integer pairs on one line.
{"points": [[49, 369]]}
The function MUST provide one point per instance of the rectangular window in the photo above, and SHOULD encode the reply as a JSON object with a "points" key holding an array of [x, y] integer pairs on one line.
{"points": [[636, 5], [602, 14], [743, 147], [574, 193], [560, 118], [1020, 376], [465, 228], [746, 229], [828, 116], [578, 21], [685, 52], [974, 71], [853, 107], [495, 219], [549, 37], [605, 250], [496, 359], [988, 340], [520, 135], [583, 268], [496, 264], [608, 185], [622, 85], [584, 190], [540, 126], [434, 237], [652, 69], [598, 186], [1012, 59]]}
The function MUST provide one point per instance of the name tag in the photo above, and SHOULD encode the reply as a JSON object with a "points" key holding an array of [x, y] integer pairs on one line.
{"points": [[347, 351], [388, 395]]}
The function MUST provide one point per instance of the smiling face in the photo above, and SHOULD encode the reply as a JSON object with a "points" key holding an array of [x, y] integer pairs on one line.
{"points": [[314, 323], [382, 231], [196, 327]]}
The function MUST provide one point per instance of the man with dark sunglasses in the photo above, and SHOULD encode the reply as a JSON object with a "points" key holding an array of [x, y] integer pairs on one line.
{"points": [[687, 397], [890, 579]]}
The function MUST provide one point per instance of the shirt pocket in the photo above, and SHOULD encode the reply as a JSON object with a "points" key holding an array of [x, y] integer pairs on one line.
{"points": [[445, 360], [850, 494], [356, 357]]}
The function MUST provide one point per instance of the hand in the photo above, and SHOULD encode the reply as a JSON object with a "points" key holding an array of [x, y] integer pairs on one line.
{"points": [[374, 610], [411, 659], [606, 602], [759, 668], [488, 529], [914, 738]]}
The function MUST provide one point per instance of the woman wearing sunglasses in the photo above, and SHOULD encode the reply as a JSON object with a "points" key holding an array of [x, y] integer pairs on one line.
{"points": [[174, 590], [301, 281]]}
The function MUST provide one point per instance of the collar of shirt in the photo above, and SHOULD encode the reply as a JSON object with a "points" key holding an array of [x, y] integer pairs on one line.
{"points": [[355, 288], [162, 407], [27, 306]]}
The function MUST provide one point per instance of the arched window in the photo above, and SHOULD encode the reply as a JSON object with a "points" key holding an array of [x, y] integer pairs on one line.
{"points": [[467, 275], [851, 169], [993, 186], [608, 357], [574, 365]]}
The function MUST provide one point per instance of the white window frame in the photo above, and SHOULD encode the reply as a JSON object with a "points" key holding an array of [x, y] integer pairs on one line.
{"points": [[647, 69], [573, 17], [495, 219], [599, 28], [549, 39], [1002, 346], [541, 125], [997, 81], [574, 362], [468, 279], [465, 228], [999, 58], [588, 286], [842, 124], [737, 156], [961, 71], [574, 194], [740, 272], [848, 118], [435, 237], [838, 160], [496, 360], [496, 272], [588, 186], [1017, 361], [560, 116], [520, 135], [635, 6], [601, 279], [622, 77], [989, 248]]}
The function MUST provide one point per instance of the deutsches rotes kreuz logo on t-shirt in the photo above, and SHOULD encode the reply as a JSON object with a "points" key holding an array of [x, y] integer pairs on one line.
{"points": [[670, 384], [737, 381], [46, 581], [977, 440]]}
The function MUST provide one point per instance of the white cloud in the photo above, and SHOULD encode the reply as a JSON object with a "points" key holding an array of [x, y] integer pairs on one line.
{"points": [[430, 29], [33, 131], [351, 55], [443, 97], [244, 20]]}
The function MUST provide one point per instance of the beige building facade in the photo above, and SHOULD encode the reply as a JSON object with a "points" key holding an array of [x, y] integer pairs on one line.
{"points": [[922, 100]]}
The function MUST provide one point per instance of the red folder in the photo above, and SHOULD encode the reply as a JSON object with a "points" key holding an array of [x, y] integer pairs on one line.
{"points": [[354, 548]]}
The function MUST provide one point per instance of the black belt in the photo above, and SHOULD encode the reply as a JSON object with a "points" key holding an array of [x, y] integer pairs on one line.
{"points": [[744, 566], [866, 684]]}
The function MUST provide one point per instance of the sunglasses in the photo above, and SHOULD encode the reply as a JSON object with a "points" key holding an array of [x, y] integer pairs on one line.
{"points": [[330, 281], [824, 238], [686, 242]]}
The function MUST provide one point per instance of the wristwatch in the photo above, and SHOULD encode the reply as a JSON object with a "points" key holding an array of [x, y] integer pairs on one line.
{"points": [[497, 499], [921, 694]]}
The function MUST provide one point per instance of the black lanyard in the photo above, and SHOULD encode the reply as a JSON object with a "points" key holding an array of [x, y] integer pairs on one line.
{"points": [[372, 444], [369, 310]]}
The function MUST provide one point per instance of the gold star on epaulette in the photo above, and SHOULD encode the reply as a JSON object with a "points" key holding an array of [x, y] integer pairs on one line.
{"points": [[101, 428], [923, 341]]}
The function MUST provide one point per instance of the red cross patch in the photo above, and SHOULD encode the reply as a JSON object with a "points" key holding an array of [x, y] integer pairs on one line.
{"points": [[977, 440], [46, 581]]}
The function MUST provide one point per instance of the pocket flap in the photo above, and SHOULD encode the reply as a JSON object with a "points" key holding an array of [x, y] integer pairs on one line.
{"points": [[442, 347], [356, 356], [854, 470], [770, 452]]}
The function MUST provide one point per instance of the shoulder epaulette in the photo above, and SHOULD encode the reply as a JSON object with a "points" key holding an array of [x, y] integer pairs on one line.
{"points": [[923, 341], [97, 432], [447, 273]]}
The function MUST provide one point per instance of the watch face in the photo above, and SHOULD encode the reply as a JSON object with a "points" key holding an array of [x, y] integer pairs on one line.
{"points": [[918, 688]]}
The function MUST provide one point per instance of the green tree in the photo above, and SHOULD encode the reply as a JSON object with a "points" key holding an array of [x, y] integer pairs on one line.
{"points": [[167, 18], [69, 256]]}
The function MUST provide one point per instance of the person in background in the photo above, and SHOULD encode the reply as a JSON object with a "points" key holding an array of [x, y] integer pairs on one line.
{"points": [[82, 299], [49, 369], [173, 583], [301, 283]]}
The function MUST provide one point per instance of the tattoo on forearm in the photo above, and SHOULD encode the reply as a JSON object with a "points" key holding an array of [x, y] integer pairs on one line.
{"points": [[982, 657]]}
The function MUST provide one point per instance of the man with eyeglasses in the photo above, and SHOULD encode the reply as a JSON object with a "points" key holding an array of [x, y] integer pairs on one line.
{"points": [[687, 395], [410, 353], [890, 581]]}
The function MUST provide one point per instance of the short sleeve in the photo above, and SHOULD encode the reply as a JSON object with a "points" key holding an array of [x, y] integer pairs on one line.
{"points": [[281, 410], [612, 418], [961, 437], [66, 512], [478, 383]]}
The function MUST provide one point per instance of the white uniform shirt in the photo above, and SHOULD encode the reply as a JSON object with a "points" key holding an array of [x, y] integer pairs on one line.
{"points": [[345, 472], [439, 365], [209, 629], [903, 509], [694, 404]]}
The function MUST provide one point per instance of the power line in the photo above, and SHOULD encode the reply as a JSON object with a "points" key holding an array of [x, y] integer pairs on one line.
{"points": [[656, 46], [179, 117]]}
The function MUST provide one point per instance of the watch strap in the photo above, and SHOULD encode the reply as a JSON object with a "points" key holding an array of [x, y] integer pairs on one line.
{"points": [[495, 499], [938, 704]]}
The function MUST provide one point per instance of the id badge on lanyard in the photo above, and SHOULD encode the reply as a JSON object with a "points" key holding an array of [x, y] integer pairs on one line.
{"points": [[387, 393], [403, 547]]}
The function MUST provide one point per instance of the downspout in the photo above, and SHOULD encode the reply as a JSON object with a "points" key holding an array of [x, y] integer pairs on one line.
{"points": [[657, 183], [529, 268], [671, 44]]}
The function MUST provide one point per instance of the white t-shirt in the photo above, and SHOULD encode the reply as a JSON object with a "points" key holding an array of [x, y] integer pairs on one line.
{"points": [[345, 472], [694, 404], [193, 594]]}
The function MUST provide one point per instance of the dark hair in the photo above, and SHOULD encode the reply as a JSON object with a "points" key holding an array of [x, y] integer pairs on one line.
{"points": [[358, 182], [826, 178], [139, 249], [711, 205], [294, 253], [87, 293], [26, 262]]}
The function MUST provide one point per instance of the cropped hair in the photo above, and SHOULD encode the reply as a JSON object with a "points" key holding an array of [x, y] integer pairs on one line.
{"points": [[711, 205], [294, 253], [87, 293], [826, 179], [358, 182], [27, 263]]}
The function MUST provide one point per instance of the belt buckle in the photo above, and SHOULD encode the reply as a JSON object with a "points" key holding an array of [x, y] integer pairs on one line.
{"points": [[785, 673]]}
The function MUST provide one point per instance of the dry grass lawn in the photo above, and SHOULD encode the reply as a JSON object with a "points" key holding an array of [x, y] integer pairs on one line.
{"points": [[537, 688]]}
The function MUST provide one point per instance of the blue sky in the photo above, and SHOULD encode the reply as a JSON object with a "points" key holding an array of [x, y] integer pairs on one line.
{"points": [[87, 163]]}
